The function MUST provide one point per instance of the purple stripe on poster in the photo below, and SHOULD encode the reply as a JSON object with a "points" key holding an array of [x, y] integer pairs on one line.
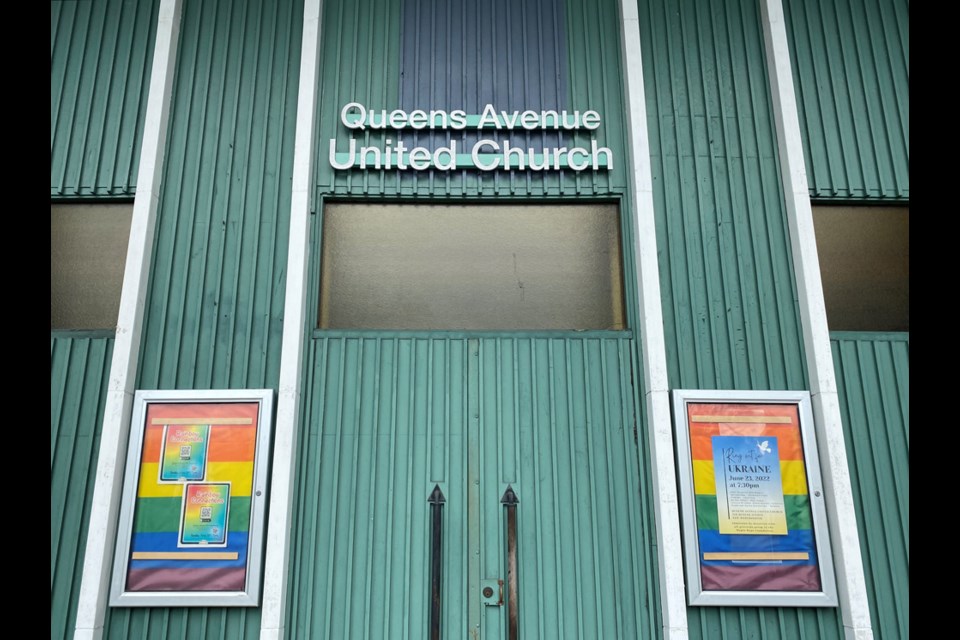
{"points": [[223, 579], [765, 578]]}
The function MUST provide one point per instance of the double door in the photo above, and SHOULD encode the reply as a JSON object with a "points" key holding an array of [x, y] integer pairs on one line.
{"points": [[390, 423]]}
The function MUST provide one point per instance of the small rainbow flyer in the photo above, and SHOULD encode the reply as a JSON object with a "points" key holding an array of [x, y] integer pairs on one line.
{"points": [[203, 518], [183, 455]]}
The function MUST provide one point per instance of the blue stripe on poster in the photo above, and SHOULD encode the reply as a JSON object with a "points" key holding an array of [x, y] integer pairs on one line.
{"points": [[167, 542], [799, 540]]}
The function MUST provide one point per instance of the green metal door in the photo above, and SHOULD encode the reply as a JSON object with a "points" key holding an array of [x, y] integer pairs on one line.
{"points": [[385, 419], [390, 418], [556, 424]]}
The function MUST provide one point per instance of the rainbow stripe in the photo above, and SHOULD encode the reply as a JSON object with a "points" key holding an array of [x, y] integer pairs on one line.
{"points": [[753, 562], [229, 457]]}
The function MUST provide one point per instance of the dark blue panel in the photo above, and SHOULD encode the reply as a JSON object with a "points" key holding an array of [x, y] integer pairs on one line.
{"points": [[456, 54]]}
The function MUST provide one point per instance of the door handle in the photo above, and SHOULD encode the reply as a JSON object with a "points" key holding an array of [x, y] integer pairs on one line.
{"points": [[509, 502], [436, 501]]}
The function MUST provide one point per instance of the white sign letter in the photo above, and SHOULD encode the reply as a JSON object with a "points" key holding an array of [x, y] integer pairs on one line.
{"points": [[346, 109], [475, 155]]}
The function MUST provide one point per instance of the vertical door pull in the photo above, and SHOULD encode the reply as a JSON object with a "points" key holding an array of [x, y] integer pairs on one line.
{"points": [[436, 501], [510, 501]]}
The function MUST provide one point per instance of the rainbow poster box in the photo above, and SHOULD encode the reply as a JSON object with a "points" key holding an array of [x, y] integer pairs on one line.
{"points": [[754, 519], [193, 506]]}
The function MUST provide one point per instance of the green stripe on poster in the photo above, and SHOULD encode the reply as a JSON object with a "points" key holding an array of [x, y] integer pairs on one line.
{"points": [[797, 510], [163, 514], [239, 517]]}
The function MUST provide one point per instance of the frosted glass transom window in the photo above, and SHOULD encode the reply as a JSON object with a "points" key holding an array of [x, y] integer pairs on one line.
{"points": [[471, 267], [88, 250]]}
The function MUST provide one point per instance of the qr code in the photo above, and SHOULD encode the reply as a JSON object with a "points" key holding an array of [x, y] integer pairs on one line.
{"points": [[206, 514], [186, 451]]}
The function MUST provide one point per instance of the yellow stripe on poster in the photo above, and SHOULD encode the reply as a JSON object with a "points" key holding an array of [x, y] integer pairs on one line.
{"points": [[202, 421], [749, 419], [757, 555], [704, 480], [240, 474], [150, 487], [185, 555], [793, 476]]}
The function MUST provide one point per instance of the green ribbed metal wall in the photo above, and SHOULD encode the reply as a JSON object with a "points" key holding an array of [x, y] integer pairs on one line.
{"points": [[383, 418], [873, 382], [79, 369], [387, 417], [731, 319], [729, 300], [100, 58], [851, 70], [215, 300], [559, 421]]}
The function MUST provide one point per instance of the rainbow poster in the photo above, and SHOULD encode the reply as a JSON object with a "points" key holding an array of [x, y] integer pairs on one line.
{"points": [[192, 535], [754, 520], [184, 454]]}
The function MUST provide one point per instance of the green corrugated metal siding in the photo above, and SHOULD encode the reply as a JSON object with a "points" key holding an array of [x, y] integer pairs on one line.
{"points": [[851, 70], [79, 368], [731, 319], [384, 420], [215, 300], [873, 381], [360, 62], [729, 299], [557, 420], [387, 417], [100, 58]]}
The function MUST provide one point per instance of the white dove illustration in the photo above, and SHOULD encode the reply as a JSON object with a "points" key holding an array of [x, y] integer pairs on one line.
{"points": [[764, 447]]}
